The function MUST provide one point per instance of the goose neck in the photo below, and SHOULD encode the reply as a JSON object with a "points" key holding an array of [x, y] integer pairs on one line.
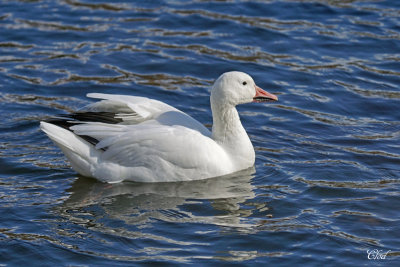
{"points": [[226, 124]]}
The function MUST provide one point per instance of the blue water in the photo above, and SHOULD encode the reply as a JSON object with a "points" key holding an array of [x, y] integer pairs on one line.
{"points": [[325, 187]]}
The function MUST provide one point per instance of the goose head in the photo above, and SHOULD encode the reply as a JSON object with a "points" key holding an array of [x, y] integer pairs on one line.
{"points": [[234, 88]]}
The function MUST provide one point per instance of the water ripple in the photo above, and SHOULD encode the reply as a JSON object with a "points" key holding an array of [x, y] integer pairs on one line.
{"points": [[327, 166]]}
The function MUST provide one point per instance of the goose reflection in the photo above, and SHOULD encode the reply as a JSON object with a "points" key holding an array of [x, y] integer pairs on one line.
{"points": [[217, 200]]}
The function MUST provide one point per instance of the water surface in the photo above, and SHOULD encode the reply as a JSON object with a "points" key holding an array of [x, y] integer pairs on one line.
{"points": [[325, 186]]}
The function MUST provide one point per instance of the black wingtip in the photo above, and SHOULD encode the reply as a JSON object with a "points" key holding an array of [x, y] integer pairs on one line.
{"points": [[66, 121]]}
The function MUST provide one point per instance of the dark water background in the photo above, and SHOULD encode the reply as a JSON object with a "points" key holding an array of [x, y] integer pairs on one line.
{"points": [[325, 188]]}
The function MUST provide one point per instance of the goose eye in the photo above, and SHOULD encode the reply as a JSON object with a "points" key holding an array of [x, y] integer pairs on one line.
{"points": [[244, 83]]}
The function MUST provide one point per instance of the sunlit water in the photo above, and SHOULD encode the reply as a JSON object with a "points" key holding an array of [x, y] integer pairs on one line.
{"points": [[325, 186]]}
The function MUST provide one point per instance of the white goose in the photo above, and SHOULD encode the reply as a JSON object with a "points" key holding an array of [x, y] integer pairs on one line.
{"points": [[139, 139]]}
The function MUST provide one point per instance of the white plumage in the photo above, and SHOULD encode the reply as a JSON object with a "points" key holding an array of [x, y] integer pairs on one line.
{"points": [[140, 139]]}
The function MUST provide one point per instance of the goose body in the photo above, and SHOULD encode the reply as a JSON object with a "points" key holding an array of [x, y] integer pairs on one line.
{"points": [[139, 139]]}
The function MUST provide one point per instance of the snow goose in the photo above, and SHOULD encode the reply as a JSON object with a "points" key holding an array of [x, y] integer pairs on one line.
{"points": [[131, 138]]}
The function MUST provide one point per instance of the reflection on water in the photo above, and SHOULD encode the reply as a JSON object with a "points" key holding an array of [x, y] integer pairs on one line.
{"points": [[137, 203], [130, 214]]}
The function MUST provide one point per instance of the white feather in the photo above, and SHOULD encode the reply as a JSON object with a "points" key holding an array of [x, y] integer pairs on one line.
{"points": [[158, 143]]}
